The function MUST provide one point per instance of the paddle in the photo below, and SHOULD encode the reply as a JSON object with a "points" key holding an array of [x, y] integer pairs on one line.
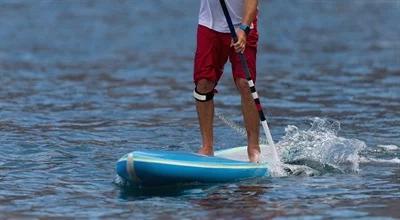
{"points": [[251, 85]]}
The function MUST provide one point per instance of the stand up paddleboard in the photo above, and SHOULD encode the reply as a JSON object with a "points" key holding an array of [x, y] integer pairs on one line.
{"points": [[161, 167], [155, 168]]}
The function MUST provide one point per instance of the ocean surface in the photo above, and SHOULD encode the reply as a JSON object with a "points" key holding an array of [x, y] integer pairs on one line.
{"points": [[84, 82]]}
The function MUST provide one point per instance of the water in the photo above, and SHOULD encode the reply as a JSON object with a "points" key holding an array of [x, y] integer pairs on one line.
{"points": [[84, 82]]}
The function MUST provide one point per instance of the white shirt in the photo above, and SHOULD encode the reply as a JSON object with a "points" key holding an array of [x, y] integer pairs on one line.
{"points": [[212, 16]]}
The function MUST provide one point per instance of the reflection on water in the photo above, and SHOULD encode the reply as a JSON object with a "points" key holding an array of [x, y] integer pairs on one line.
{"points": [[85, 82]]}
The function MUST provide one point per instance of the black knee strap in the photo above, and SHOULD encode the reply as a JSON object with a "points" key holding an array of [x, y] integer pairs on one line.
{"points": [[203, 97]]}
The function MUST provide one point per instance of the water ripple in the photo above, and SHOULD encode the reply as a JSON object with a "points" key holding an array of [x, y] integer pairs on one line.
{"points": [[85, 82]]}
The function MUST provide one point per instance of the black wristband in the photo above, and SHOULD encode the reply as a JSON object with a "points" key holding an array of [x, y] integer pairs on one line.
{"points": [[245, 28]]}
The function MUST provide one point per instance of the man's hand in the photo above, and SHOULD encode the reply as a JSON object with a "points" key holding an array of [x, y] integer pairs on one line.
{"points": [[240, 44], [250, 12]]}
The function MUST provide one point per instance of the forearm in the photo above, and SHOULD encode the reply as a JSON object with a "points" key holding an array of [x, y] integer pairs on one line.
{"points": [[250, 11]]}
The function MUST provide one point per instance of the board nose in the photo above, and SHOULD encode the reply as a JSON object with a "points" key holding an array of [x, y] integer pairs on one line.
{"points": [[121, 169]]}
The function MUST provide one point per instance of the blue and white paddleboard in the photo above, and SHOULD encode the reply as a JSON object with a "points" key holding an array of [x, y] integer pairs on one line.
{"points": [[153, 168]]}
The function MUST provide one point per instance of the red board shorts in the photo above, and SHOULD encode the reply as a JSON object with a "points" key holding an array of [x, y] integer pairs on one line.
{"points": [[213, 51]]}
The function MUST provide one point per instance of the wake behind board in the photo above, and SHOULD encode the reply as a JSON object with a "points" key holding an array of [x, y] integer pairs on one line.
{"points": [[154, 168]]}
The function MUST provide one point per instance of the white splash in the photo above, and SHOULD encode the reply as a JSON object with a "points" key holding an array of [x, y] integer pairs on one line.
{"points": [[395, 160], [320, 148], [389, 147], [310, 152]]}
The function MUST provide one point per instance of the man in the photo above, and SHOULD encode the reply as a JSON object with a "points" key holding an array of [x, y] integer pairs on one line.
{"points": [[214, 47]]}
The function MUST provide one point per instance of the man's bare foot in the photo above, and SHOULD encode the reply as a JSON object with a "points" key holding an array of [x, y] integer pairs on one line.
{"points": [[254, 154], [206, 151]]}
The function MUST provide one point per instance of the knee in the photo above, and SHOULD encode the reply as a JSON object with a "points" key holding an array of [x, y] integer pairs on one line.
{"points": [[242, 85], [205, 86]]}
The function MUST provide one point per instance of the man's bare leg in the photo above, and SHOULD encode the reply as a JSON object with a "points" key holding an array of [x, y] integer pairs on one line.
{"points": [[205, 113], [251, 120]]}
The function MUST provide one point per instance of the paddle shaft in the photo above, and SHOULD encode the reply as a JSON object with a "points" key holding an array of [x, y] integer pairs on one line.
{"points": [[248, 76]]}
